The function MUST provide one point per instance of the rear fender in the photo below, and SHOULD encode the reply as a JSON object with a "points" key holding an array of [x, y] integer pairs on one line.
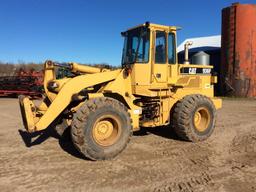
{"points": [[217, 102]]}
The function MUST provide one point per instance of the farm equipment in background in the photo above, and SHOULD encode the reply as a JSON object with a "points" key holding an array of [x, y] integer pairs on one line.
{"points": [[22, 83]]}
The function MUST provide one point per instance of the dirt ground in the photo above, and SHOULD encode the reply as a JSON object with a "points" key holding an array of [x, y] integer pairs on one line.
{"points": [[155, 160]]}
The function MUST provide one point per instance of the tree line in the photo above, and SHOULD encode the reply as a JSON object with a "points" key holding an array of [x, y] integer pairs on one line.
{"points": [[11, 69]]}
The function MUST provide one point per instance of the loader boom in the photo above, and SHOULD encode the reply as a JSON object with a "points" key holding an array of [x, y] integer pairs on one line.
{"points": [[64, 97]]}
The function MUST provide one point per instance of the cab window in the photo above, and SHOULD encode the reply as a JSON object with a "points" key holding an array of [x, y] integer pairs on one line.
{"points": [[136, 46], [171, 49], [160, 47]]}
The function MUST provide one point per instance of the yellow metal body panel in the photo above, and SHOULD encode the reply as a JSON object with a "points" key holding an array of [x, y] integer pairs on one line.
{"points": [[122, 86]]}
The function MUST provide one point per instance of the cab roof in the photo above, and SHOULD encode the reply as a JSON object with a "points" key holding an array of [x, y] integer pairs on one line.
{"points": [[172, 28]]}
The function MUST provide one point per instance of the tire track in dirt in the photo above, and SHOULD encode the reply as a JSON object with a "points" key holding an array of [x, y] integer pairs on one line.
{"points": [[244, 144], [188, 184]]}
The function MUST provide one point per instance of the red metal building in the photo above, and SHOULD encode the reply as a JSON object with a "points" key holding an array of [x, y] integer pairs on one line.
{"points": [[238, 59]]}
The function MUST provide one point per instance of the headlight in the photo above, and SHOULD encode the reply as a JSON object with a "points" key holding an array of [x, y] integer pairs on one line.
{"points": [[52, 85]]}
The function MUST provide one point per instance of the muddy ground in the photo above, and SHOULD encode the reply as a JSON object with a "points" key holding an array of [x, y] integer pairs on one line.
{"points": [[155, 160]]}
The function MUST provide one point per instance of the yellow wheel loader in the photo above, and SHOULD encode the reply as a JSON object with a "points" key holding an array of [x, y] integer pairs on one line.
{"points": [[103, 107]]}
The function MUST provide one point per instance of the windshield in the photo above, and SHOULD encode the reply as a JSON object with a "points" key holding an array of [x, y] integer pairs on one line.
{"points": [[136, 46]]}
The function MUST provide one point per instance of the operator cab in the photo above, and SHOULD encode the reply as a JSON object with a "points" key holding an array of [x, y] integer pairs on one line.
{"points": [[150, 52]]}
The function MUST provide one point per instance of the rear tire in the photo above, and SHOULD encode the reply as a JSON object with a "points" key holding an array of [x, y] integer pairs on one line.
{"points": [[101, 128], [194, 118]]}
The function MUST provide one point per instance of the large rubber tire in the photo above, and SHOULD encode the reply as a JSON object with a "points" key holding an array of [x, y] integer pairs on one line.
{"points": [[61, 128], [93, 117], [186, 122]]}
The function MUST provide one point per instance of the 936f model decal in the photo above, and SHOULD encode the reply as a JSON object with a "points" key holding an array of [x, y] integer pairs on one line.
{"points": [[194, 70]]}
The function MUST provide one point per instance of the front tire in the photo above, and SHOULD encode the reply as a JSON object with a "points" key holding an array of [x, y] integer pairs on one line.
{"points": [[101, 128], [194, 118], [62, 129]]}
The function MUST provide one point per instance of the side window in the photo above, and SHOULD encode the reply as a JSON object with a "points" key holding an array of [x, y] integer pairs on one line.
{"points": [[160, 47], [171, 49]]}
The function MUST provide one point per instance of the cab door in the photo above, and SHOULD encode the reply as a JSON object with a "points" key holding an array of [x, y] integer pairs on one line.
{"points": [[172, 59], [160, 66]]}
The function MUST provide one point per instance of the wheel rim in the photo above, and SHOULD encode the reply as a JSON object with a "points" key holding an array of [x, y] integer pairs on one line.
{"points": [[106, 130], [202, 119]]}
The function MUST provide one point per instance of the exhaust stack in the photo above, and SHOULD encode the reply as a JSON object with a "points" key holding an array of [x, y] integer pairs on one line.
{"points": [[186, 46]]}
